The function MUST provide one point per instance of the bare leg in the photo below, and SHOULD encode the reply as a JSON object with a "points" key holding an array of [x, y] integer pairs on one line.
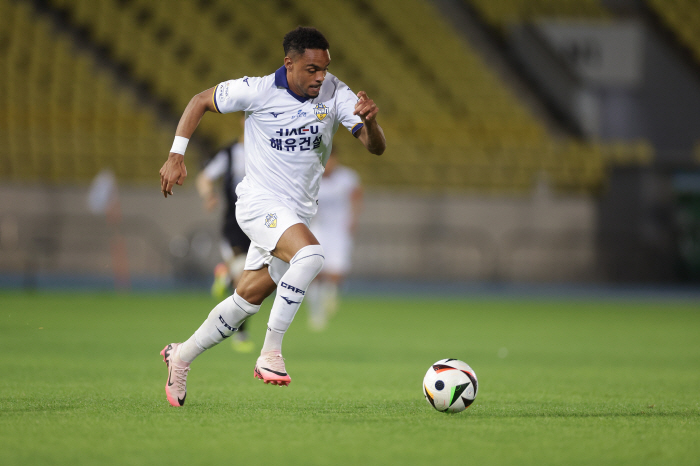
{"points": [[255, 285], [296, 237]]}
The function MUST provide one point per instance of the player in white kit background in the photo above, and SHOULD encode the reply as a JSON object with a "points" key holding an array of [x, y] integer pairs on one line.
{"points": [[339, 205], [291, 117]]}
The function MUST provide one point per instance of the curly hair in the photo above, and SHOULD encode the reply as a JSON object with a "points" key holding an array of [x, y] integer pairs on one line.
{"points": [[302, 38]]}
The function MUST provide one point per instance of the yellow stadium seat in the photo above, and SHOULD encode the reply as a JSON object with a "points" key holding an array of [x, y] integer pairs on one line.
{"points": [[450, 122]]}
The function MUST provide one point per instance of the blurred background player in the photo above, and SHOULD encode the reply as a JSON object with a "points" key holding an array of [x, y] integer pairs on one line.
{"points": [[339, 205], [228, 164]]}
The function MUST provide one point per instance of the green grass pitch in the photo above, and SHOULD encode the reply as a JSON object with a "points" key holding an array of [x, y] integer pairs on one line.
{"points": [[562, 382]]}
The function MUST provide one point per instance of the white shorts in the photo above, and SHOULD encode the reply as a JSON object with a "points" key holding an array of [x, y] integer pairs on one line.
{"points": [[337, 249], [264, 219]]}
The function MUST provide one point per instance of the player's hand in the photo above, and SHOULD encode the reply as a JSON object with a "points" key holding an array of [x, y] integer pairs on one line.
{"points": [[173, 172], [365, 107]]}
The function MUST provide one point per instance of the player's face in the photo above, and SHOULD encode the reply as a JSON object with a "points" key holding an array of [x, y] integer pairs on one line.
{"points": [[305, 73]]}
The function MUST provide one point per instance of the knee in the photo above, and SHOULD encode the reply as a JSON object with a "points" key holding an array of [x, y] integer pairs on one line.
{"points": [[310, 257]]}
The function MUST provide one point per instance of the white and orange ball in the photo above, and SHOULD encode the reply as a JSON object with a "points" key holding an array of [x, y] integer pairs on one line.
{"points": [[450, 385]]}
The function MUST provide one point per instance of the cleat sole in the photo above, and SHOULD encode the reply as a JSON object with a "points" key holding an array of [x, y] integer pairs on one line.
{"points": [[281, 383]]}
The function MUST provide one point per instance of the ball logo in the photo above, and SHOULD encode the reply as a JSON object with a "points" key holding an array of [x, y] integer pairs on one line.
{"points": [[321, 111], [271, 221]]}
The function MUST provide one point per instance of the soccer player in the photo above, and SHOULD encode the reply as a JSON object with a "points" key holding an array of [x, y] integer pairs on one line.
{"points": [[229, 164], [339, 204], [291, 118]]}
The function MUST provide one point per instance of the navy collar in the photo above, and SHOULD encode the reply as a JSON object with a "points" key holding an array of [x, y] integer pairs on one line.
{"points": [[281, 81]]}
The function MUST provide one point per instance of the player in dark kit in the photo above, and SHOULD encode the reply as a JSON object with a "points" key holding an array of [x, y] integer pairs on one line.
{"points": [[228, 164]]}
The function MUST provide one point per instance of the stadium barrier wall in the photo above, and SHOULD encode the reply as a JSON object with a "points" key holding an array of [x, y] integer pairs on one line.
{"points": [[540, 238]]}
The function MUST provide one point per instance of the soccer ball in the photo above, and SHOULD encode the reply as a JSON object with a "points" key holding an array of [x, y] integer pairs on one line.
{"points": [[450, 386]]}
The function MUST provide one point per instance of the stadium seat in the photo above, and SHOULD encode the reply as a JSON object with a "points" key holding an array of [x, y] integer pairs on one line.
{"points": [[63, 117], [503, 13], [682, 17], [450, 122]]}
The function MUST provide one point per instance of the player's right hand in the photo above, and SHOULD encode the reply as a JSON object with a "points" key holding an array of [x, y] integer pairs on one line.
{"points": [[173, 172], [365, 107]]}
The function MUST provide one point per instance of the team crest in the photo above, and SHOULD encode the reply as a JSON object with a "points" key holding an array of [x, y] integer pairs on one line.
{"points": [[271, 221], [321, 111]]}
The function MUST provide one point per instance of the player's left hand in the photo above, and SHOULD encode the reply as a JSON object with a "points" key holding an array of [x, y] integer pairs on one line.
{"points": [[173, 172], [365, 107]]}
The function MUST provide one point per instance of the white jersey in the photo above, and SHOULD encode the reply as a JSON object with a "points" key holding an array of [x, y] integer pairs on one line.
{"points": [[335, 201], [287, 137], [331, 225], [217, 166]]}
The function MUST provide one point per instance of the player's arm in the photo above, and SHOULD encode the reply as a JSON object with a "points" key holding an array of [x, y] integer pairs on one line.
{"points": [[212, 171], [174, 170], [371, 134], [205, 188]]}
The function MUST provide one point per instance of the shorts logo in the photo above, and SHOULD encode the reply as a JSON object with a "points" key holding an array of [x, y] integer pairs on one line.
{"points": [[271, 221], [321, 111]]}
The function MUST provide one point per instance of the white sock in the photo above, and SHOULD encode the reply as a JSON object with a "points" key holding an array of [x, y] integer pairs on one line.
{"points": [[273, 341], [303, 268], [314, 302], [313, 298], [330, 297], [222, 321]]}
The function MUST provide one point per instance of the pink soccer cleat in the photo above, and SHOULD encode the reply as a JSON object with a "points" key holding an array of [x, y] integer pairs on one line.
{"points": [[176, 386], [270, 369]]}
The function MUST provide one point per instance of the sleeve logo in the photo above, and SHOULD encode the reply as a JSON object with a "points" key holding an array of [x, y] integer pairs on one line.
{"points": [[321, 111], [271, 221]]}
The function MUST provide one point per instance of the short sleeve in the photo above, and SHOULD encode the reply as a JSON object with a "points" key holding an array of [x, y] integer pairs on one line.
{"points": [[237, 95], [216, 168], [345, 104]]}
